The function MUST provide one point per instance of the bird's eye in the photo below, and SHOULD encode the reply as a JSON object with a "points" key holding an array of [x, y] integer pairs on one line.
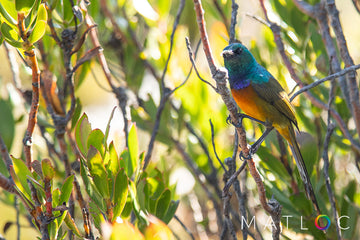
{"points": [[238, 50]]}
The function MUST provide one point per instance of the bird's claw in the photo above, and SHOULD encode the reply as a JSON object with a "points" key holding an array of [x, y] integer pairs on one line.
{"points": [[252, 150], [239, 124], [243, 158]]}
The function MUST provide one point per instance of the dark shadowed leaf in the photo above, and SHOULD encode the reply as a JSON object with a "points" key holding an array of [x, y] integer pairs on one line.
{"points": [[162, 203]]}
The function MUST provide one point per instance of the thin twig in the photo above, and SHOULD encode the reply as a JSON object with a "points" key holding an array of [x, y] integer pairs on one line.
{"points": [[27, 141], [213, 143], [234, 11], [165, 92], [233, 177], [194, 65], [184, 227], [353, 88], [320, 81], [5, 154], [325, 155]]}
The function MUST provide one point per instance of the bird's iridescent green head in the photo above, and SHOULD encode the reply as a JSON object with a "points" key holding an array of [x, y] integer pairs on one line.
{"points": [[238, 59], [240, 64]]}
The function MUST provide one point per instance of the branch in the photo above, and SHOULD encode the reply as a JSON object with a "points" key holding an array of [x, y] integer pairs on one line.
{"points": [[27, 141], [183, 226], [330, 77], [5, 154], [325, 155], [345, 55], [234, 11]]}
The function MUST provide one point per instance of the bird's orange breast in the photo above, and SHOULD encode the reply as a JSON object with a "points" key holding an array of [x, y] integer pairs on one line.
{"points": [[249, 102]]}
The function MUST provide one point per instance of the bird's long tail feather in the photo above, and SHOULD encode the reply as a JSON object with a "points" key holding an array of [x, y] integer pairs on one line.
{"points": [[302, 169]]}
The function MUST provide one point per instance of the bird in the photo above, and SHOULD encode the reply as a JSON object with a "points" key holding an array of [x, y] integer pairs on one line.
{"points": [[260, 96]]}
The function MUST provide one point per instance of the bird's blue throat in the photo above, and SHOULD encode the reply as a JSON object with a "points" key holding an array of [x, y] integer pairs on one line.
{"points": [[238, 82]]}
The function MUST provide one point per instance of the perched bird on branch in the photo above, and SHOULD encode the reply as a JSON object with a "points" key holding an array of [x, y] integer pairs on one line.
{"points": [[262, 98]]}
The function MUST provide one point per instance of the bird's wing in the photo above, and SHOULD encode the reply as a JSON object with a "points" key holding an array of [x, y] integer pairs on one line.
{"points": [[274, 94]]}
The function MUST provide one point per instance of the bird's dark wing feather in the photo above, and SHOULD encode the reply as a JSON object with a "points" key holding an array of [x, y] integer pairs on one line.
{"points": [[274, 94]]}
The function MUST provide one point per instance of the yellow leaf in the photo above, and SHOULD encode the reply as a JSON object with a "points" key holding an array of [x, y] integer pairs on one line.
{"points": [[157, 230]]}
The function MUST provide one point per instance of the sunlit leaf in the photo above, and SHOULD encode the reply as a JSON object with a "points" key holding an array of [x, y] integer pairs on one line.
{"points": [[8, 12], [71, 225], [121, 192], [97, 171], [11, 35], [124, 231], [158, 230], [47, 169], [113, 163], [21, 171], [24, 6], [96, 139], [133, 150], [82, 131], [40, 25], [66, 189]]}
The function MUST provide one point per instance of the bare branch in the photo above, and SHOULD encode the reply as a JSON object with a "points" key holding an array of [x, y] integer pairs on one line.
{"points": [[320, 81], [234, 11]]}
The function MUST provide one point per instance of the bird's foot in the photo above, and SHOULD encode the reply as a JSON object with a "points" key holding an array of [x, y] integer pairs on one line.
{"points": [[243, 158], [252, 150], [239, 124]]}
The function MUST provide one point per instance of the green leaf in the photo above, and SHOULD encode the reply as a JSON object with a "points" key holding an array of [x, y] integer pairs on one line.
{"points": [[120, 194], [7, 126], [273, 164], [66, 189], [22, 172], [71, 225], [40, 25], [33, 14], [24, 6], [8, 12], [91, 188], [67, 11], [133, 150], [96, 139], [47, 169], [98, 172], [171, 211], [108, 127], [349, 210], [11, 35], [162, 203], [142, 193], [96, 214], [76, 115], [56, 197], [113, 164], [53, 229], [82, 131]]}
